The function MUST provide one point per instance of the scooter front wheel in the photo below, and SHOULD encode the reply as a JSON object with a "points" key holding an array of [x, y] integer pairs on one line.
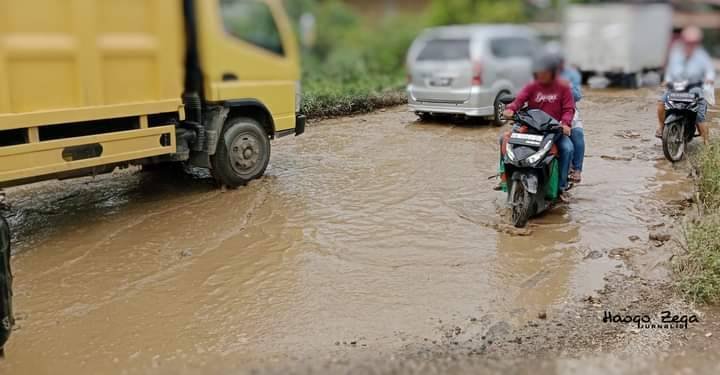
{"points": [[520, 202], [673, 142]]}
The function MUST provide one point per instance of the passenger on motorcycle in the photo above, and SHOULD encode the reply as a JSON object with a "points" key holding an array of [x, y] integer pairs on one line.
{"points": [[553, 96], [573, 78], [688, 61]]}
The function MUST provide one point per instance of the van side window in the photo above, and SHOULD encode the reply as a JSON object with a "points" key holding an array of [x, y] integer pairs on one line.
{"points": [[505, 48], [253, 22], [445, 50]]}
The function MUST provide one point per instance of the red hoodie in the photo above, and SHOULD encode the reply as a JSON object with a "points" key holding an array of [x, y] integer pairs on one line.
{"points": [[555, 99]]}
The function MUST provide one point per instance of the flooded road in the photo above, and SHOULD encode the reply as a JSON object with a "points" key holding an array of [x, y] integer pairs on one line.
{"points": [[367, 233]]}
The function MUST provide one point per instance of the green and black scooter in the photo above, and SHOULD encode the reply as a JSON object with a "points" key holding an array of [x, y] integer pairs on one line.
{"points": [[6, 316]]}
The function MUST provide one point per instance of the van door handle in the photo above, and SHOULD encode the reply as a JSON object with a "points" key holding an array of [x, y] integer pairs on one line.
{"points": [[229, 77]]}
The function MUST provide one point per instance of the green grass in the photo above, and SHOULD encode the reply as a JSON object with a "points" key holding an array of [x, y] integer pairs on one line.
{"points": [[698, 270], [708, 164], [327, 98]]}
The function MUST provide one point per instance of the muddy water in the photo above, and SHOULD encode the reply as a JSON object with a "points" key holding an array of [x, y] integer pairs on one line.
{"points": [[375, 230]]}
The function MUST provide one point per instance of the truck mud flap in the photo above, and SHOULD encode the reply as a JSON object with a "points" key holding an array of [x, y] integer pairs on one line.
{"points": [[6, 316]]}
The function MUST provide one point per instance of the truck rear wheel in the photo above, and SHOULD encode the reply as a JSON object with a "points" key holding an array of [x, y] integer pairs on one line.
{"points": [[6, 315], [243, 152]]}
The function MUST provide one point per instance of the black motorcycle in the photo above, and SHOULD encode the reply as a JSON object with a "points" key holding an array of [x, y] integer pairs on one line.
{"points": [[530, 166], [6, 316], [681, 109]]}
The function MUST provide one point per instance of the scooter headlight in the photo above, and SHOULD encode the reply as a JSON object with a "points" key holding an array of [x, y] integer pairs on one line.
{"points": [[680, 86], [534, 158], [509, 152]]}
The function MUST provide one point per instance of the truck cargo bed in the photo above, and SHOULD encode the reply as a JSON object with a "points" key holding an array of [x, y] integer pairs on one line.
{"points": [[94, 70]]}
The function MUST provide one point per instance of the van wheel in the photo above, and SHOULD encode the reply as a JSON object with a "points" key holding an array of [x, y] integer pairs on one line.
{"points": [[243, 152], [499, 108], [424, 116]]}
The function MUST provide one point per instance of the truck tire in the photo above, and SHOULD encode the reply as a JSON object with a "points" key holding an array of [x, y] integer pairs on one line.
{"points": [[243, 152], [6, 316]]}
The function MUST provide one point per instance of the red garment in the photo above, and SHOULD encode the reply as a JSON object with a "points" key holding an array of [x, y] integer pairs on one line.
{"points": [[555, 99]]}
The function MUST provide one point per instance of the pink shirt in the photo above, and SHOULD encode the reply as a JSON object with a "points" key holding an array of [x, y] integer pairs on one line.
{"points": [[555, 99]]}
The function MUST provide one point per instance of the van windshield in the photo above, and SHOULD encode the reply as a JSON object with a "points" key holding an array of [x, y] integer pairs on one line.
{"points": [[445, 49]]}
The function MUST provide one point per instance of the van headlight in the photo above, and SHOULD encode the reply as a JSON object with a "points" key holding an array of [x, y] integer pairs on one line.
{"points": [[298, 96], [534, 158]]}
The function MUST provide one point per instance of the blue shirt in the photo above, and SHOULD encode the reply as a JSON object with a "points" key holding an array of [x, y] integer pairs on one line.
{"points": [[697, 68], [575, 79]]}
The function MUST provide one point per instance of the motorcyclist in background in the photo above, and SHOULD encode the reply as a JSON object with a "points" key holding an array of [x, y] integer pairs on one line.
{"points": [[688, 61]]}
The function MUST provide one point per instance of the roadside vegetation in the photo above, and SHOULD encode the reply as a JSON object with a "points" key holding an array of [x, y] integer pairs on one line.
{"points": [[698, 271], [357, 65]]}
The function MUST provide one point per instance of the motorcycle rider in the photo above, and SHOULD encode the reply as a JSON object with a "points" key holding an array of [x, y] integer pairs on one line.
{"points": [[688, 61], [549, 93]]}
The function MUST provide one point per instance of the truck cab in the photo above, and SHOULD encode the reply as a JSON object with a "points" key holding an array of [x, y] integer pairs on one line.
{"points": [[248, 63]]}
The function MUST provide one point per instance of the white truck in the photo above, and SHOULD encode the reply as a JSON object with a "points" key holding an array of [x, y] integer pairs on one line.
{"points": [[619, 41]]}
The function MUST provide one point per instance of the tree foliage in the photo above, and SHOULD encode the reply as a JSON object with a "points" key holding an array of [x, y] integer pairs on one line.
{"points": [[445, 12]]}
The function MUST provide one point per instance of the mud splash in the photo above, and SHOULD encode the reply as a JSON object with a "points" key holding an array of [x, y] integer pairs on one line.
{"points": [[368, 233]]}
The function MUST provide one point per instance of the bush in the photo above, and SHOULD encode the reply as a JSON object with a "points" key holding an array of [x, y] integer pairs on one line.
{"points": [[332, 103], [708, 164], [354, 67], [444, 12], [699, 269]]}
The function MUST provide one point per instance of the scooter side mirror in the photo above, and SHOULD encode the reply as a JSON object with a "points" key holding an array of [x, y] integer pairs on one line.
{"points": [[507, 99]]}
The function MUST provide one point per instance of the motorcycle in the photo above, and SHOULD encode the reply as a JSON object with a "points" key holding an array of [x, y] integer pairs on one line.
{"points": [[681, 109], [6, 315], [530, 164]]}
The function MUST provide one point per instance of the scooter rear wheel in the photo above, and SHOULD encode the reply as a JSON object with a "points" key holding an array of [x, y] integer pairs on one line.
{"points": [[521, 205]]}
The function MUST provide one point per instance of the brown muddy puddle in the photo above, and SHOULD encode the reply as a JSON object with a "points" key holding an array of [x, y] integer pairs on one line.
{"points": [[370, 229]]}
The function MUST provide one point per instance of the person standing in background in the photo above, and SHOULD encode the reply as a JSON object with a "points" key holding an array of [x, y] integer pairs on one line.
{"points": [[577, 136]]}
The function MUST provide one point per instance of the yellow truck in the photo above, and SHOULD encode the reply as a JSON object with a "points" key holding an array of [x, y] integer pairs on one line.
{"points": [[90, 85]]}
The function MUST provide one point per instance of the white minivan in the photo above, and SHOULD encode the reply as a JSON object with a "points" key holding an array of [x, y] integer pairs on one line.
{"points": [[464, 70]]}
